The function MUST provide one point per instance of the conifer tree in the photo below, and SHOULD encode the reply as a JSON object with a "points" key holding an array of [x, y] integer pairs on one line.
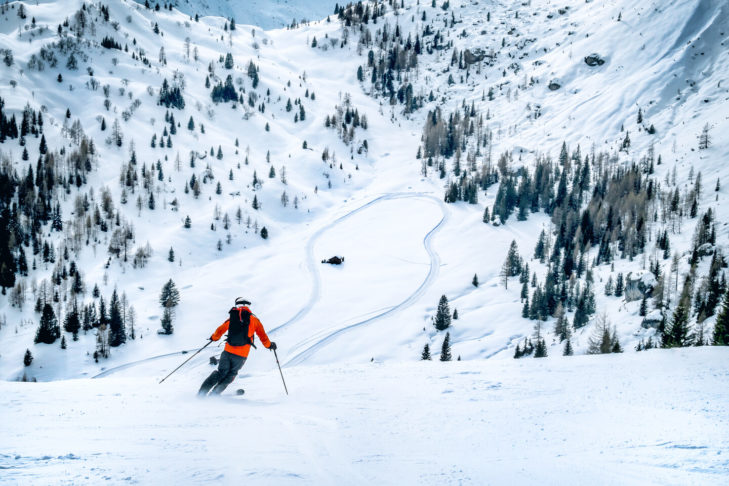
{"points": [[678, 335], [609, 286], [48, 330], [28, 358], [721, 328], [604, 339], [540, 351], [561, 325], [443, 315], [166, 322], [117, 331], [169, 297], [643, 306], [619, 286], [568, 348], [445, 352], [474, 282], [515, 262], [426, 353], [72, 323]]}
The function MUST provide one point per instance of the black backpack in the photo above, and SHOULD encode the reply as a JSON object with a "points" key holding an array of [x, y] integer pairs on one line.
{"points": [[238, 327]]}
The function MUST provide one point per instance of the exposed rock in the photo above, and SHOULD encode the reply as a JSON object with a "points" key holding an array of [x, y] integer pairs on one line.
{"points": [[594, 60], [639, 284], [707, 249], [473, 56], [554, 86], [653, 319]]}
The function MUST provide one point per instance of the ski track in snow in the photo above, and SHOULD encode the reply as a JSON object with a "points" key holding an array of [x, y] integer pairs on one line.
{"points": [[313, 269], [412, 298]]}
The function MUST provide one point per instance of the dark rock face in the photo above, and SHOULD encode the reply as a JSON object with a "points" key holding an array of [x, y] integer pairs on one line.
{"points": [[473, 56], [594, 60]]}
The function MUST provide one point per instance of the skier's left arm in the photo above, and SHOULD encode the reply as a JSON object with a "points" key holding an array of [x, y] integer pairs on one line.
{"points": [[260, 331]]}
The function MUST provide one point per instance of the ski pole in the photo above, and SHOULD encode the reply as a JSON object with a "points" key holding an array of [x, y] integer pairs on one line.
{"points": [[188, 359], [279, 370]]}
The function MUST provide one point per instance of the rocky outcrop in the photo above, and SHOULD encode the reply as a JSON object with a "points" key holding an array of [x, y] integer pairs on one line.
{"points": [[594, 60]]}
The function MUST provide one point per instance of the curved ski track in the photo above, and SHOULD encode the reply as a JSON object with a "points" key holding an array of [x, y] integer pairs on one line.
{"points": [[316, 285]]}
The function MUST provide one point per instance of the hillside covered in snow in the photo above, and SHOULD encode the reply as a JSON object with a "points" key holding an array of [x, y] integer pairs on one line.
{"points": [[504, 180]]}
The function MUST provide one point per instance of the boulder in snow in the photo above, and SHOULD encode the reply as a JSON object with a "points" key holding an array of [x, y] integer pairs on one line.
{"points": [[653, 319], [594, 60], [639, 284], [707, 249], [472, 56], [554, 86]]}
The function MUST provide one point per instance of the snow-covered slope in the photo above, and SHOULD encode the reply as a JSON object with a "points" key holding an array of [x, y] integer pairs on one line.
{"points": [[267, 14], [188, 198], [600, 420], [404, 248]]}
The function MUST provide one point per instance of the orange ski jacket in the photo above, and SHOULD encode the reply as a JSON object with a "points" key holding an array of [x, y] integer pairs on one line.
{"points": [[255, 327]]}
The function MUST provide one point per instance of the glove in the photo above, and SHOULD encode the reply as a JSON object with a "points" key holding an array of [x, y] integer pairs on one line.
{"points": [[272, 346], [211, 339]]}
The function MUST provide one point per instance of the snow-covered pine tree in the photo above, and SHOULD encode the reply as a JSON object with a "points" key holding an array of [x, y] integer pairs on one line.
{"points": [[426, 353], [72, 322], [48, 330], [443, 314], [678, 334], [568, 351], [540, 350], [170, 296], [117, 331], [445, 351], [166, 322], [721, 327]]}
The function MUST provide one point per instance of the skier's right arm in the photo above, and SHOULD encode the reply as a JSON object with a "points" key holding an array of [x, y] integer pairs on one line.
{"points": [[220, 331]]}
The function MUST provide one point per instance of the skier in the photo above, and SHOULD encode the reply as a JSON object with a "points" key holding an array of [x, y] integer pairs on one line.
{"points": [[240, 325]]}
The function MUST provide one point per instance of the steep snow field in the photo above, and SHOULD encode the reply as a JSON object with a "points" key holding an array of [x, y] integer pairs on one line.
{"points": [[380, 303], [361, 408], [658, 417], [267, 14]]}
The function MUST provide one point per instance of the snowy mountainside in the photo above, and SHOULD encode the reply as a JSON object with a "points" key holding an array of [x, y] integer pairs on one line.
{"points": [[266, 14], [370, 199], [141, 148]]}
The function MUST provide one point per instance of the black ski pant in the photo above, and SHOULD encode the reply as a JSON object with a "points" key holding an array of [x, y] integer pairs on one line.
{"points": [[228, 368]]}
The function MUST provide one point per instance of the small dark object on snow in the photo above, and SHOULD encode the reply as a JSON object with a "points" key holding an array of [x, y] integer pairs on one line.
{"points": [[213, 360], [240, 391], [335, 260], [554, 86], [594, 60]]}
